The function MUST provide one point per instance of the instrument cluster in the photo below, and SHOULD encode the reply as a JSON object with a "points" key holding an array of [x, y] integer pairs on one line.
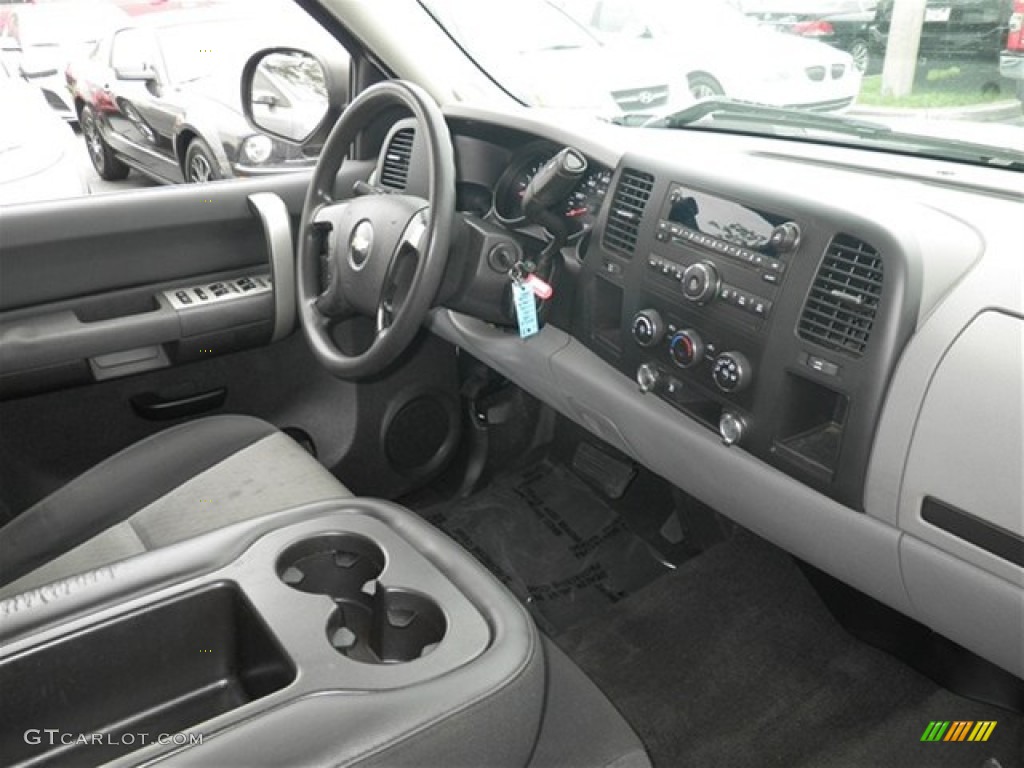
{"points": [[582, 204]]}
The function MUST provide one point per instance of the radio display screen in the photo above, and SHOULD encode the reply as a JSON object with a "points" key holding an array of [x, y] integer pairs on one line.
{"points": [[722, 219]]}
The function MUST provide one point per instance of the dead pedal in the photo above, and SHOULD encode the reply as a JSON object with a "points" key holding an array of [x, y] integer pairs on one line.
{"points": [[608, 474]]}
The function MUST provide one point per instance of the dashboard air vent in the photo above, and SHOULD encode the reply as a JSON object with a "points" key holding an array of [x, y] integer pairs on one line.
{"points": [[631, 196], [844, 298], [395, 171]]}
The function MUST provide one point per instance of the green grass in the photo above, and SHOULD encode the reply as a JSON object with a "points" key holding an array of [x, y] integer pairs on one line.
{"points": [[938, 88]]}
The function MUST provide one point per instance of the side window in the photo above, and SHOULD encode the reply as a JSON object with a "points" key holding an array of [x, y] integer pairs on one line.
{"points": [[132, 50], [184, 126]]}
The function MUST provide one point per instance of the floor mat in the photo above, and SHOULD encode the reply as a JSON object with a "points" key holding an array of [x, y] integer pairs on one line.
{"points": [[734, 661], [553, 542]]}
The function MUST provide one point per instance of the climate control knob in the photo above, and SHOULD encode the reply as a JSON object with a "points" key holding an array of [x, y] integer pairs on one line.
{"points": [[648, 327], [731, 371], [686, 348], [731, 427], [700, 282], [647, 377]]}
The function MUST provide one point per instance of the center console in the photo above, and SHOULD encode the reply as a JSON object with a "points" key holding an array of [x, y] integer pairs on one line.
{"points": [[333, 633]]}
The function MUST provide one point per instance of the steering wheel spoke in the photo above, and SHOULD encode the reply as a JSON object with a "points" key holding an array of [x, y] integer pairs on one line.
{"points": [[378, 255]]}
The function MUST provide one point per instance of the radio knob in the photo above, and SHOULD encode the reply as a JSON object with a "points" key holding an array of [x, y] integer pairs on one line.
{"points": [[686, 348], [700, 282], [731, 372], [647, 377], [648, 327], [785, 237], [731, 427]]}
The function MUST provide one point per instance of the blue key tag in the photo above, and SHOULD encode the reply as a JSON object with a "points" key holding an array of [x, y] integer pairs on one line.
{"points": [[526, 309]]}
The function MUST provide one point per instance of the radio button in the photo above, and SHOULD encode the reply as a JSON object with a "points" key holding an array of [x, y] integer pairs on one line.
{"points": [[785, 237], [700, 282]]}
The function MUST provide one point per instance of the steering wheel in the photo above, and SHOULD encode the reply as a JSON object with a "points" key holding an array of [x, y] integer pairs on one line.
{"points": [[378, 255]]}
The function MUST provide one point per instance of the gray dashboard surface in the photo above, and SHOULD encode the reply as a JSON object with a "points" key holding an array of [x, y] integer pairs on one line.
{"points": [[958, 227]]}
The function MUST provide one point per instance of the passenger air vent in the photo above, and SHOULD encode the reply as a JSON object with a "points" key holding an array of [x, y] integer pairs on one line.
{"points": [[395, 172], [631, 196], [843, 301]]}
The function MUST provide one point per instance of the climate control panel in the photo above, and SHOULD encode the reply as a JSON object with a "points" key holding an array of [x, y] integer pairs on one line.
{"points": [[730, 370], [709, 372]]}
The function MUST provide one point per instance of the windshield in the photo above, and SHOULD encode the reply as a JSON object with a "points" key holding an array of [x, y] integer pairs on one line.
{"points": [[941, 83], [921, 78], [707, 17], [512, 26]]}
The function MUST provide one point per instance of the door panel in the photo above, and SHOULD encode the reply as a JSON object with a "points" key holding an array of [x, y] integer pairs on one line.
{"points": [[51, 252], [82, 292]]}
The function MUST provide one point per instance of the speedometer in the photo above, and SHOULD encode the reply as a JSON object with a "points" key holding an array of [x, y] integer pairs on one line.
{"points": [[509, 191], [581, 205], [586, 199]]}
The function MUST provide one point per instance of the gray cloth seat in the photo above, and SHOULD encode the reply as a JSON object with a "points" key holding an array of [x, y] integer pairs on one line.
{"points": [[210, 473], [174, 485]]}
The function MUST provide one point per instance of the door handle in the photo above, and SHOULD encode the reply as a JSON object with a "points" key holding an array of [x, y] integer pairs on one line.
{"points": [[153, 407]]}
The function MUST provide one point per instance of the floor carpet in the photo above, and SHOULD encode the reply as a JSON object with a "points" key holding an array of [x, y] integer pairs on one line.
{"points": [[734, 661], [553, 542]]}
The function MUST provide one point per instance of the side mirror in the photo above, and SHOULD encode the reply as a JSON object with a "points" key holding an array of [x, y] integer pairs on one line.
{"points": [[141, 72], [293, 95]]}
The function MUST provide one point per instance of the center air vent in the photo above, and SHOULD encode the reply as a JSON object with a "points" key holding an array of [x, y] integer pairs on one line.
{"points": [[841, 307], [395, 171], [631, 196]]}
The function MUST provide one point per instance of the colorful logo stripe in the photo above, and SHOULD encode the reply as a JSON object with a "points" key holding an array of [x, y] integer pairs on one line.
{"points": [[958, 730]]}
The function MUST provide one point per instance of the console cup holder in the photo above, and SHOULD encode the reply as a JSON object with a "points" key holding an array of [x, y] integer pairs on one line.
{"points": [[371, 623], [339, 565]]}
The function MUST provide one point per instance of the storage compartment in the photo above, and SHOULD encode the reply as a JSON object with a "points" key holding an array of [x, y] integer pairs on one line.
{"points": [[371, 623], [810, 431], [125, 682], [606, 314]]}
